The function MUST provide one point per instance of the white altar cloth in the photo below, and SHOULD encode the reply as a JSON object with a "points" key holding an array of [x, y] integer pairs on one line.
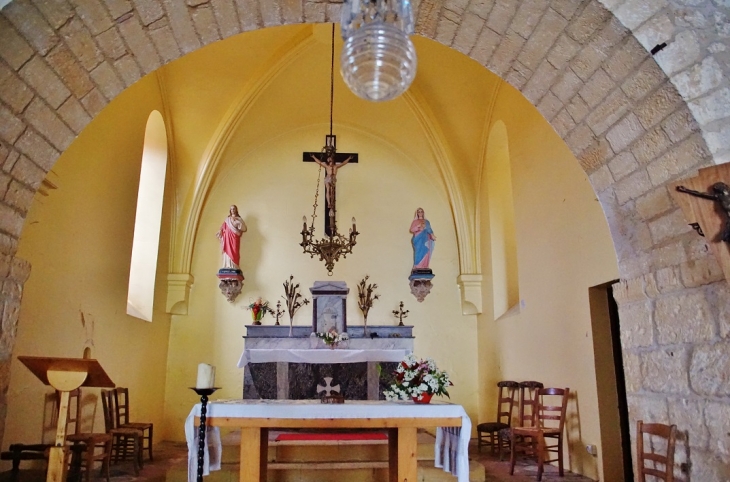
{"points": [[319, 356], [313, 409]]}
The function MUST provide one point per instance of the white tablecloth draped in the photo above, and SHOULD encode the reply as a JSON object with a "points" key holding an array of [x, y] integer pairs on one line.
{"points": [[319, 356], [453, 457]]}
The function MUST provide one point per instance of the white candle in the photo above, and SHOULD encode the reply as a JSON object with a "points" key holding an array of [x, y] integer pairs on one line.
{"points": [[206, 376]]}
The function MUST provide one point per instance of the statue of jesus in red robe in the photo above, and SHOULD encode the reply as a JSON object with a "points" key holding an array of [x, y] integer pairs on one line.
{"points": [[230, 235]]}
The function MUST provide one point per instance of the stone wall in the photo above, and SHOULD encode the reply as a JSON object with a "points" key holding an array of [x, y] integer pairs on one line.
{"points": [[635, 122]]}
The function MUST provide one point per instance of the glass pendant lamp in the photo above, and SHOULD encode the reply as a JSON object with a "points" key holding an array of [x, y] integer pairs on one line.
{"points": [[378, 60]]}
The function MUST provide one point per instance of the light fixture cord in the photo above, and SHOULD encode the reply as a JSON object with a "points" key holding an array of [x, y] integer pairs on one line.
{"points": [[332, 77]]}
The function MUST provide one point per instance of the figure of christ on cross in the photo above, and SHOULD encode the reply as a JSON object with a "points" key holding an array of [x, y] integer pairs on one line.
{"points": [[330, 165]]}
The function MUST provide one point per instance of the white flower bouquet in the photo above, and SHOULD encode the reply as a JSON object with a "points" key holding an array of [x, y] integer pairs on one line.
{"points": [[419, 380], [331, 338]]}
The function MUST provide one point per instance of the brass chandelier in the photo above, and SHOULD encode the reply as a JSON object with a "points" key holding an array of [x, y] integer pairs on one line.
{"points": [[333, 245]]}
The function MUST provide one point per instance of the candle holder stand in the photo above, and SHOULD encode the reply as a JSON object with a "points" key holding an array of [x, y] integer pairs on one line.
{"points": [[204, 393]]}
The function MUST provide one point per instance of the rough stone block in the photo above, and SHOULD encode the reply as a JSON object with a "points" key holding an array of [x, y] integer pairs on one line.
{"points": [[56, 12], [717, 419], [669, 255], [578, 108], [612, 34], [26, 18], [596, 88], [665, 371], [73, 113], [651, 145], [111, 44], [19, 197], [632, 186], [658, 106], [562, 51], [632, 371], [13, 91], [16, 50], [518, 75], [595, 156], [94, 102], [165, 43], [528, 15], [137, 40], [707, 465], [680, 124], [669, 280], [37, 149], [625, 132], [633, 14], [149, 10], [549, 106], [684, 318], [485, 45], [128, 70], [10, 126], [601, 179], [540, 82], [79, 40], [668, 226], [689, 416], [501, 15], [622, 165], [701, 272], [579, 139], [629, 290], [227, 18], [593, 17], [563, 123], [636, 324], [106, 78], [567, 86], [250, 16], [539, 43], [468, 33], [646, 79], [626, 59], [117, 8], [205, 25], [710, 369], [41, 78], [679, 54], [689, 154], [315, 13], [566, 8], [719, 296], [72, 73], [182, 25], [699, 79], [94, 15], [608, 112], [653, 203], [647, 407], [477, 7], [48, 124], [655, 31], [505, 53], [28, 172], [11, 222], [712, 107], [271, 13]]}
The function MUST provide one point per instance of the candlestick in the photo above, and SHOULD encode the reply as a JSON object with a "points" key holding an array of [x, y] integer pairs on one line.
{"points": [[203, 392]]}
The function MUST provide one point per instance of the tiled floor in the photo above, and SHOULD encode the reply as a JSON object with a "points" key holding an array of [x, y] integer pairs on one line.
{"points": [[171, 460]]}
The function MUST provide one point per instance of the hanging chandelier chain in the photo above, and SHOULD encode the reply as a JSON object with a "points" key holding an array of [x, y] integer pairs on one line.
{"points": [[332, 77], [316, 197]]}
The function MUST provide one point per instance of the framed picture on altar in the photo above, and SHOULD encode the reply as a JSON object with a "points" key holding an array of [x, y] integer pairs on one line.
{"points": [[329, 306]]}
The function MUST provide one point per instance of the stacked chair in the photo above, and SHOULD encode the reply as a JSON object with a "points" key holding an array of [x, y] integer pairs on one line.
{"points": [[126, 441], [658, 435], [487, 431]]}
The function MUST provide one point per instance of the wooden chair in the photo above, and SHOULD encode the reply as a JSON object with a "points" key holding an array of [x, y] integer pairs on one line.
{"points": [[84, 446], [549, 421], [121, 398], [525, 412], [667, 435], [505, 404], [126, 442]]}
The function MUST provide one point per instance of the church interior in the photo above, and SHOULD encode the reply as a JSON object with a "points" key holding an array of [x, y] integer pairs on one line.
{"points": [[531, 239]]}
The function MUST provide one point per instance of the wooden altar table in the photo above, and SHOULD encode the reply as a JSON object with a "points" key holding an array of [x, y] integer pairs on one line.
{"points": [[401, 419]]}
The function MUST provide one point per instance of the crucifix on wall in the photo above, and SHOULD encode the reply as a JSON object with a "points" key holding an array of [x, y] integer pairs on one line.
{"points": [[331, 161]]}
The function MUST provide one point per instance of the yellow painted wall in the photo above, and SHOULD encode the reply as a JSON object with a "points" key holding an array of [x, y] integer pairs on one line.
{"points": [[273, 189], [563, 248], [78, 241]]}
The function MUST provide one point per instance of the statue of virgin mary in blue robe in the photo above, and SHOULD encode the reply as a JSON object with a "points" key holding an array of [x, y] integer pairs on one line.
{"points": [[423, 241]]}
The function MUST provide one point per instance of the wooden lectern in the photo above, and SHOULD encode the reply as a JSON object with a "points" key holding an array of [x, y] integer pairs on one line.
{"points": [[65, 375]]}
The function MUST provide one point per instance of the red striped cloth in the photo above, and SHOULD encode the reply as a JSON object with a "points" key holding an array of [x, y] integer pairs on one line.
{"points": [[331, 436]]}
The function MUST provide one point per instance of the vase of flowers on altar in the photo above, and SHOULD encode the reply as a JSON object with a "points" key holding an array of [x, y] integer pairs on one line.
{"points": [[333, 339], [294, 300], [418, 380], [258, 309], [366, 296]]}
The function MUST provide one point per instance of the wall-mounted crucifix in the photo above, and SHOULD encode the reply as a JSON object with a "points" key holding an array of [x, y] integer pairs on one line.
{"points": [[331, 161]]}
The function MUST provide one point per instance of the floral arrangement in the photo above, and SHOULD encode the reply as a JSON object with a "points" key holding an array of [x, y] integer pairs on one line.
{"points": [[418, 380], [366, 297], [259, 308], [331, 338], [294, 300]]}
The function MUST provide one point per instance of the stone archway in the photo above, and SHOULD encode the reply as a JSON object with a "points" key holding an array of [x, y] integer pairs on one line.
{"points": [[634, 125]]}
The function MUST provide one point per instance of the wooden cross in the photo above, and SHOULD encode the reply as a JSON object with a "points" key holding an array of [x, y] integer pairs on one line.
{"points": [[339, 158]]}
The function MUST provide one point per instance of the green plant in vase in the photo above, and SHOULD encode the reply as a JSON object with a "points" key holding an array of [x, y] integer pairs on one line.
{"points": [[294, 300], [366, 296], [258, 309]]}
